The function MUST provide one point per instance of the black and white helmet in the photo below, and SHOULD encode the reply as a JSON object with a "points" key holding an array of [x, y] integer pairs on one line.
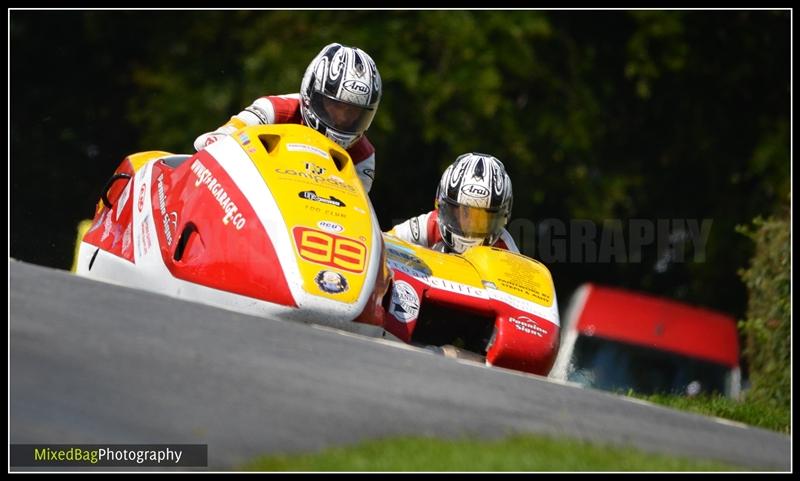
{"points": [[474, 201], [340, 93]]}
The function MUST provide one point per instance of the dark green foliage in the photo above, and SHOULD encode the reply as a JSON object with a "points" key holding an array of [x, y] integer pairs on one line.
{"points": [[767, 328], [596, 114]]}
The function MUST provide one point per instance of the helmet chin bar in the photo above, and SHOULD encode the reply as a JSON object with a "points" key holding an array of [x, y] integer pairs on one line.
{"points": [[461, 244], [344, 140]]}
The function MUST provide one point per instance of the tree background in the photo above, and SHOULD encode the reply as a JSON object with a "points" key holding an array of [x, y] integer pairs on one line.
{"points": [[596, 114]]}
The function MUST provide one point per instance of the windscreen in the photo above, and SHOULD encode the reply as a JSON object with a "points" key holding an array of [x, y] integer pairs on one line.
{"points": [[617, 366]]}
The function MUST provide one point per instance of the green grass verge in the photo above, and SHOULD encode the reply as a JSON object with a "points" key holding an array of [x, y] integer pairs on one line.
{"points": [[517, 453], [752, 412]]}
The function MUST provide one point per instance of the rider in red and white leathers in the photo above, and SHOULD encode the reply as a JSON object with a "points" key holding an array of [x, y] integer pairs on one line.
{"points": [[339, 95], [473, 204]]}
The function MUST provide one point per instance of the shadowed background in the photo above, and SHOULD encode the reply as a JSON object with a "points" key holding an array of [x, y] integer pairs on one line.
{"points": [[596, 115]]}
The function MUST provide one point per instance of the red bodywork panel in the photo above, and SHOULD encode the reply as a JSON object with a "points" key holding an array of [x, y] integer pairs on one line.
{"points": [[111, 228], [654, 322], [374, 312], [201, 242], [228, 252], [522, 341]]}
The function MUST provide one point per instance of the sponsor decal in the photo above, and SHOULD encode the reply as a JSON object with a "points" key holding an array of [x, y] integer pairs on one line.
{"points": [[312, 196], [140, 202], [232, 214], [547, 313], [315, 169], [456, 287], [475, 190], [415, 229], [331, 282], [106, 225], [356, 87], [398, 266], [244, 138], [444, 284], [330, 249], [330, 181], [330, 226], [407, 258], [116, 231], [166, 219], [145, 242], [325, 212], [123, 199], [489, 285], [307, 148], [528, 326], [162, 196], [126, 240], [211, 139], [405, 302]]}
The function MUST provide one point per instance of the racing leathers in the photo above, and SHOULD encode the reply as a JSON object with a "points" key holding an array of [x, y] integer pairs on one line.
{"points": [[424, 230], [285, 109]]}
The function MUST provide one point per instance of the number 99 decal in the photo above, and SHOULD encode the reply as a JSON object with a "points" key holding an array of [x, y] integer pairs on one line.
{"points": [[330, 249]]}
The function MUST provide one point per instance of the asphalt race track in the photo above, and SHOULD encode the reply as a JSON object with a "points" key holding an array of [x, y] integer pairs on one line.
{"points": [[96, 363]]}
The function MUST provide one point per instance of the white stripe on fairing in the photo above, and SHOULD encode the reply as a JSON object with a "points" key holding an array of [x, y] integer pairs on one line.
{"points": [[229, 154], [149, 272], [123, 198], [547, 313], [374, 266], [142, 178]]}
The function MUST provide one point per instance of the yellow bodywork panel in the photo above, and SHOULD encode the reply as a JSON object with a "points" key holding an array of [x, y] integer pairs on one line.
{"points": [[507, 272], [422, 260], [322, 201], [513, 273]]}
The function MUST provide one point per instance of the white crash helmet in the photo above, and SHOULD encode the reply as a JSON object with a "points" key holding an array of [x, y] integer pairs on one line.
{"points": [[340, 93], [474, 201]]}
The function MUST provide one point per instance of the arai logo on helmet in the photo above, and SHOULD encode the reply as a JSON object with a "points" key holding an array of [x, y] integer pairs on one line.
{"points": [[356, 86], [330, 226], [475, 190]]}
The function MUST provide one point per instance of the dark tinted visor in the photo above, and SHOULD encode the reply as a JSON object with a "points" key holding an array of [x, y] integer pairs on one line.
{"points": [[342, 116]]}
